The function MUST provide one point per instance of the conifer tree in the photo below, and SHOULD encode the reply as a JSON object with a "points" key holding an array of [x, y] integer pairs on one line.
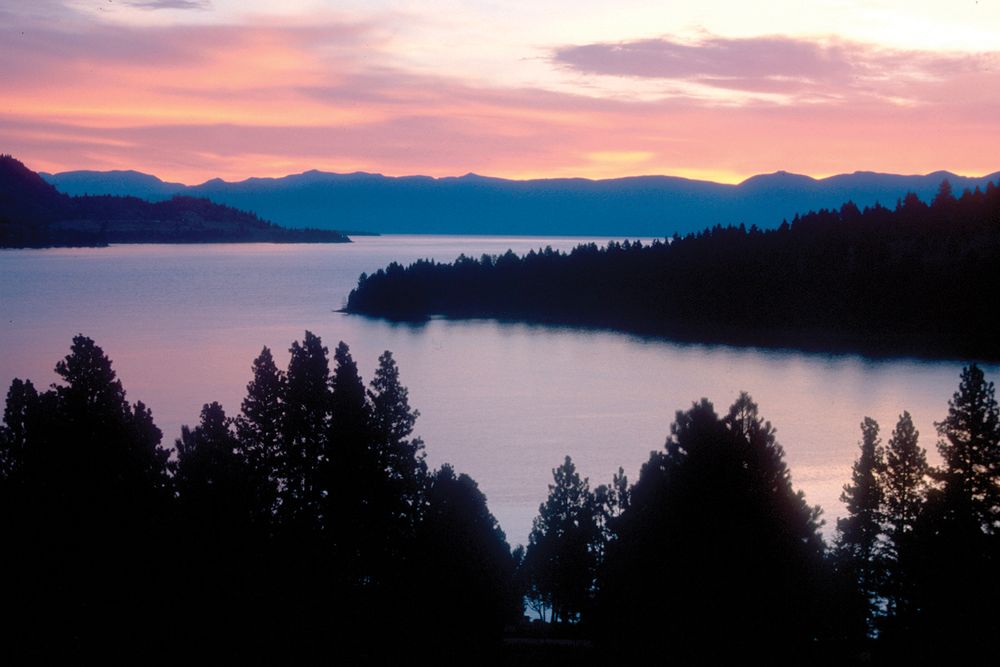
{"points": [[859, 551], [714, 537], [906, 473], [562, 548], [211, 478], [970, 447], [351, 473], [905, 493], [400, 456], [260, 429], [20, 413], [306, 426], [466, 571]]}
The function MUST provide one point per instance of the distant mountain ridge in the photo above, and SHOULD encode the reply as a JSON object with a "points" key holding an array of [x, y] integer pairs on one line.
{"points": [[34, 214], [653, 206]]}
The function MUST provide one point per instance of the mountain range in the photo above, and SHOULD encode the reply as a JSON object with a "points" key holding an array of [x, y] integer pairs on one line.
{"points": [[653, 206], [34, 214]]}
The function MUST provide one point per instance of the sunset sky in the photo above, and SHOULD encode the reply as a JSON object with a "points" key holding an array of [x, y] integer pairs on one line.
{"points": [[190, 89]]}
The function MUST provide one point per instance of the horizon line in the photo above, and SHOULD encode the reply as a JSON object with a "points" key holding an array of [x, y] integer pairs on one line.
{"points": [[471, 174]]}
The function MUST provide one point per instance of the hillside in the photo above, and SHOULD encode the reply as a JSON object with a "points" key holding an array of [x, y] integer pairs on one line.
{"points": [[645, 206], [34, 214]]}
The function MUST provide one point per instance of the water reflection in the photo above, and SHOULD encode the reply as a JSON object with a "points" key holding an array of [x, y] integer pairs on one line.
{"points": [[502, 401]]}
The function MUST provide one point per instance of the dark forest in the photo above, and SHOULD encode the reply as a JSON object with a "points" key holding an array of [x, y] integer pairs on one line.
{"points": [[919, 279], [309, 528]]}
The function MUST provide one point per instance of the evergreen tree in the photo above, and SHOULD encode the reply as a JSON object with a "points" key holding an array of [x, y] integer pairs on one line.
{"points": [[90, 503], [956, 542], [905, 488], [859, 552], [715, 540], [399, 456], [562, 547], [905, 493], [19, 417], [260, 429], [970, 447], [610, 502], [352, 472], [466, 572], [211, 479], [306, 426], [218, 542]]}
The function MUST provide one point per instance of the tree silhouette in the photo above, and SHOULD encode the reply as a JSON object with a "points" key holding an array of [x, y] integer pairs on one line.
{"points": [[212, 480], [219, 539], [715, 543], [260, 429], [955, 544], [610, 502], [308, 406], [466, 571], [352, 474], [562, 547], [970, 447], [19, 422], [399, 456], [905, 493], [91, 494], [859, 551], [906, 473]]}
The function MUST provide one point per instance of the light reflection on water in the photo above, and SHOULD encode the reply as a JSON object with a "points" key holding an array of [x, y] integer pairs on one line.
{"points": [[503, 402]]}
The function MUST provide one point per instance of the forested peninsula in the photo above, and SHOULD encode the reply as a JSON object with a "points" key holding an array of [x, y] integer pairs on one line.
{"points": [[33, 214], [917, 279]]}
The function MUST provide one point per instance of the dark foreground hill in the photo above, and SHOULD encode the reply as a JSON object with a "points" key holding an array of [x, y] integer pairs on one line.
{"points": [[34, 214], [644, 206], [917, 280]]}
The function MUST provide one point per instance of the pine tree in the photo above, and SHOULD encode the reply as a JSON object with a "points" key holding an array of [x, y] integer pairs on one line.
{"points": [[562, 547], [906, 474], [306, 426], [352, 475], [400, 456], [19, 417], [970, 447], [610, 501], [465, 572], [260, 429], [714, 537], [93, 496], [859, 552], [211, 479], [905, 493]]}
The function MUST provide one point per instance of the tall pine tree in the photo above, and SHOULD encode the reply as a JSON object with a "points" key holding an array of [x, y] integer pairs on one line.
{"points": [[859, 552], [970, 447]]}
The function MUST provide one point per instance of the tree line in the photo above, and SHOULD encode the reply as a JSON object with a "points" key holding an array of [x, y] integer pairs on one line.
{"points": [[309, 527], [918, 279]]}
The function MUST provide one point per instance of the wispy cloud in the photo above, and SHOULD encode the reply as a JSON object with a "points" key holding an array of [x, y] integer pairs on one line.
{"points": [[169, 4], [831, 68]]}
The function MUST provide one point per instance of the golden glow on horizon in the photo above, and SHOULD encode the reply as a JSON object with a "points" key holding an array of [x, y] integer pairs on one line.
{"points": [[393, 87]]}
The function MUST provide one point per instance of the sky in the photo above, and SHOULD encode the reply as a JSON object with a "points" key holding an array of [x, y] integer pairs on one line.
{"points": [[196, 89]]}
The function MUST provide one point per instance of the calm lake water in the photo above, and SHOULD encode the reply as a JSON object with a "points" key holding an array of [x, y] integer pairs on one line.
{"points": [[502, 402]]}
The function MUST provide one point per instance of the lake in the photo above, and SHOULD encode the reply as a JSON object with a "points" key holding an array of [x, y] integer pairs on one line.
{"points": [[502, 402]]}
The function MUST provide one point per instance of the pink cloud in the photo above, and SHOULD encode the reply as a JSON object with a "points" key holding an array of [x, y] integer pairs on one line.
{"points": [[190, 103], [777, 64]]}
